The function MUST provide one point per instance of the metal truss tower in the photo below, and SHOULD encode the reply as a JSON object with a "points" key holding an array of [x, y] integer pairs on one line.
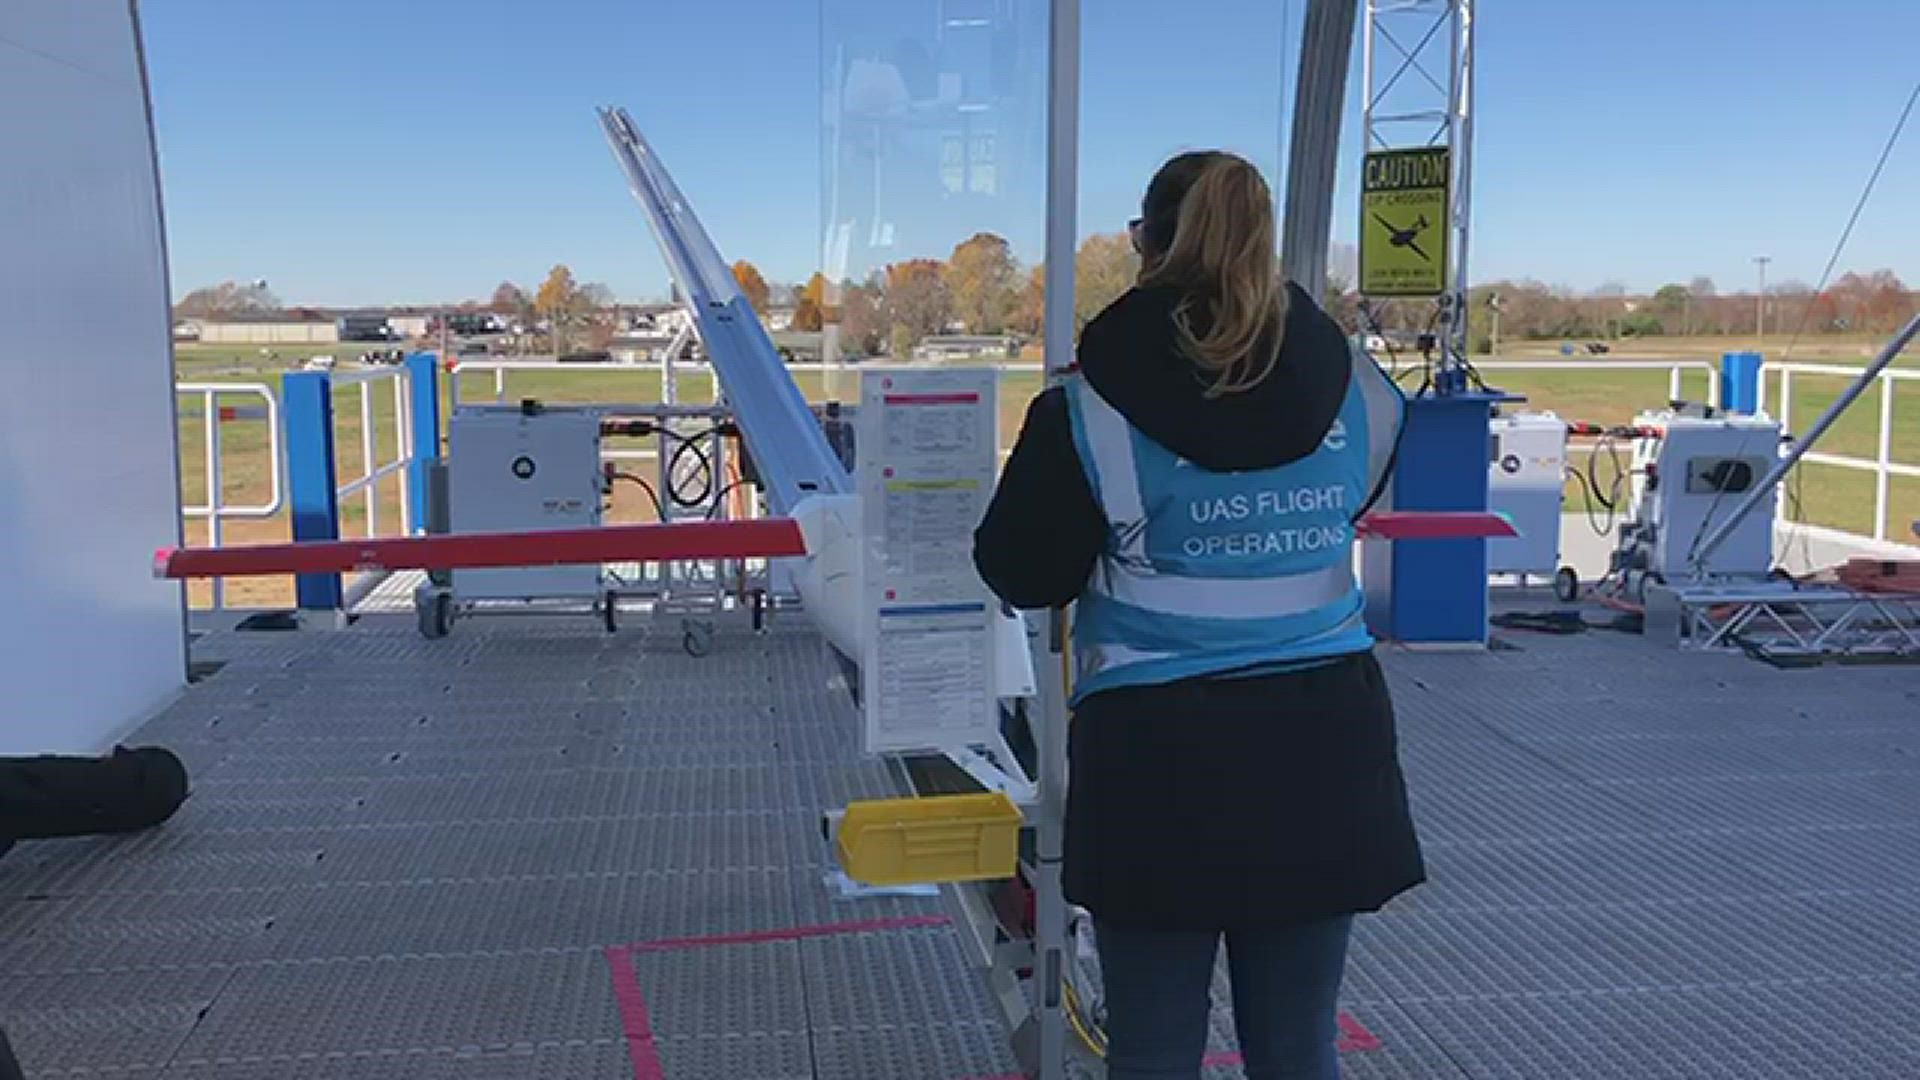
{"points": [[1417, 68]]}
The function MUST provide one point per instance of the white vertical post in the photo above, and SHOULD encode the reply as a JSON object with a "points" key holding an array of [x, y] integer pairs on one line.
{"points": [[1881, 475], [1063, 193], [402, 447], [1780, 507], [367, 455], [1460, 121], [210, 417], [499, 386], [1675, 391]]}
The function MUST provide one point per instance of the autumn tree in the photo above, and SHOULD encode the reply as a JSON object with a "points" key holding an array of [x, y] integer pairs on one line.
{"points": [[558, 294], [559, 302], [1877, 302], [228, 299], [595, 296], [753, 285], [508, 299], [918, 302], [1030, 304], [810, 311], [863, 318], [1103, 268], [984, 281]]}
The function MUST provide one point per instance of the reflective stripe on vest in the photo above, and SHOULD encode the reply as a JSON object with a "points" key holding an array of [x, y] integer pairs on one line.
{"points": [[1232, 598], [1205, 571], [1386, 417]]}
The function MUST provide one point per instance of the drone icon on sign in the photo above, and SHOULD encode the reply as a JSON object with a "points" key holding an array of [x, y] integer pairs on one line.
{"points": [[1408, 237]]}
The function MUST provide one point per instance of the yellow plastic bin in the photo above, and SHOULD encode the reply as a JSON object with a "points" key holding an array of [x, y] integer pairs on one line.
{"points": [[939, 838]]}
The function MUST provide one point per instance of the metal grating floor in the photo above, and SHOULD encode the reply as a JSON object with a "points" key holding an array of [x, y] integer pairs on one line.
{"points": [[534, 849]]}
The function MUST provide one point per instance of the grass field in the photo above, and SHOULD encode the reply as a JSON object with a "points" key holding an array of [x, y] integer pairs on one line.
{"points": [[1829, 496]]}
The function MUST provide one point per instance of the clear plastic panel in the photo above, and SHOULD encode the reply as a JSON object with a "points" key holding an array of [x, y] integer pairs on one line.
{"points": [[934, 128], [934, 117]]}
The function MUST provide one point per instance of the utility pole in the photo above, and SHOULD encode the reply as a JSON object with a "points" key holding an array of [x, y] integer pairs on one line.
{"points": [[1760, 302]]}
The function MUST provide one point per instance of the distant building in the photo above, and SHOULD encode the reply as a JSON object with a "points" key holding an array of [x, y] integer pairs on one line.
{"points": [[799, 346], [410, 326], [668, 319], [365, 326], [966, 347], [258, 329], [778, 318]]}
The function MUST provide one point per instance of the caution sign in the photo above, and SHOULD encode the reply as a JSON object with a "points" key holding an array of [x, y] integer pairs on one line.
{"points": [[1403, 223]]}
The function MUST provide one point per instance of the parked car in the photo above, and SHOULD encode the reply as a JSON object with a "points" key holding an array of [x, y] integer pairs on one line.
{"points": [[318, 363]]}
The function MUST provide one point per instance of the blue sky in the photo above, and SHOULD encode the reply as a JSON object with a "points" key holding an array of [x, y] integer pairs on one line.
{"points": [[356, 151]]}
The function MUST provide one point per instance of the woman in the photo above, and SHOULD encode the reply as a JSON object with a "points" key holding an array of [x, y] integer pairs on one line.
{"points": [[1234, 763]]}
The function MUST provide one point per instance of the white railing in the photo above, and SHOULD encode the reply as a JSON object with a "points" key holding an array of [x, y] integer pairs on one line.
{"points": [[1676, 370], [216, 509], [372, 469], [1881, 465], [500, 368]]}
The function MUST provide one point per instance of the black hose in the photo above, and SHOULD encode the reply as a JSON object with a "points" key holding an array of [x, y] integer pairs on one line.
{"points": [[676, 489], [653, 496], [720, 496], [1589, 500]]}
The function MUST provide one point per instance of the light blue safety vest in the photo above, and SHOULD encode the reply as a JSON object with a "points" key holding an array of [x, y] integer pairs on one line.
{"points": [[1212, 572]]}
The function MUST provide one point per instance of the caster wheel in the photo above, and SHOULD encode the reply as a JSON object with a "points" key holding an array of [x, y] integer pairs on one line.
{"points": [[1566, 585], [696, 637], [435, 614], [610, 611]]}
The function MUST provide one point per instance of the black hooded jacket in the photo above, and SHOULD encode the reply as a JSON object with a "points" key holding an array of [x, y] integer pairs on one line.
{"points": [[1207, 803], [1044, 530]]}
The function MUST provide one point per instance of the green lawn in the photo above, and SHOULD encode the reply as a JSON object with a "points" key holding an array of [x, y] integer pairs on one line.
{"points": [[1826, 495]]}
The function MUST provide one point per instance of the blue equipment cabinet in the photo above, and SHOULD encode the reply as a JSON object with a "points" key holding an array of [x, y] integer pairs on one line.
{"points": [[1434, 592]]}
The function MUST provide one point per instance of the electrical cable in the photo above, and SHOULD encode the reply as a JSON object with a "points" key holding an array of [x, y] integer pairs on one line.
{"points": [[1806, 313], [1373, 324], [1084, 1026], [1589, 501], [1860, 205], [703, 474], [732, 486], [652, 495]]}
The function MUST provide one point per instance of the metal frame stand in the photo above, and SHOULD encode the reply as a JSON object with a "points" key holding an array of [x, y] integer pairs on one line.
{"points": [[1427, 110], [1784, 619]]}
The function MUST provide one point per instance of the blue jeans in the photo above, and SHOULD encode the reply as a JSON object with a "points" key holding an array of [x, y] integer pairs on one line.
{"points": [[1286, 989]]}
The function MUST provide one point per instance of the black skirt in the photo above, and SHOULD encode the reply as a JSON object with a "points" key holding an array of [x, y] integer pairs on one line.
{"points": [[1239, 802]]}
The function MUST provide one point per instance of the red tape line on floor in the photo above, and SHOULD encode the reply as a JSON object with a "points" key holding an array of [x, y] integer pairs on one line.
{"points": [[643, 1048]]}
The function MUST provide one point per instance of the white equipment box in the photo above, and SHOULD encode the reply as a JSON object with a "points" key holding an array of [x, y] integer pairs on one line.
{"points": [[515, 468], [1689, 479], [1525, 481]]}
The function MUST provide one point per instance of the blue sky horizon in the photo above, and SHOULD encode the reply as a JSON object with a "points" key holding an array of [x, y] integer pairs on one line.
{"points": [[359, 153]]}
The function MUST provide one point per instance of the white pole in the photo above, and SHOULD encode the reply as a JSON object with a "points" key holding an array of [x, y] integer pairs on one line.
{"points": [[1063, 192], [1461, 119], [1881, 474], [211, 418]]}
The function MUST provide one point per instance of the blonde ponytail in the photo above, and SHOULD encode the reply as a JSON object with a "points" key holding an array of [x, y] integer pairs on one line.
{"points": [[1222, 258]]}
